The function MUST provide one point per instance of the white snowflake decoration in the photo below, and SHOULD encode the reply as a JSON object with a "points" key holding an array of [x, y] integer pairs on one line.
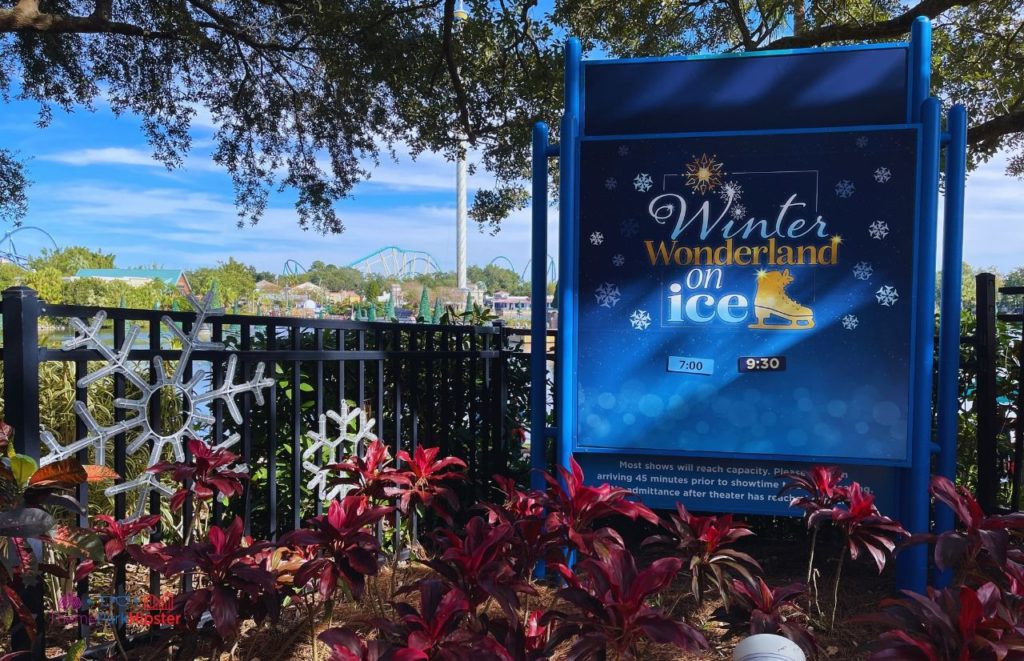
{"points": [[850, 321], [321, 442], [618, 260], [193, 419], [883, 174], [730, 189], [607, 295], [643, 182], [640, 319], [845, 188], [738, 212], [629, 228], [878, 229], [862, 142], [623, 150], [596, 238], [611, 183], [863, 270], [887, 296]]}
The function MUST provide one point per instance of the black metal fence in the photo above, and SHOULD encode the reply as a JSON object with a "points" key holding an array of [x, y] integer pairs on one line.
{"points": [[998, 370], [446, 386]]}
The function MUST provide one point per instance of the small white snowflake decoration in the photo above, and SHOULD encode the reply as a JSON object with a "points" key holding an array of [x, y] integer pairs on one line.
{"points": [[863, 270], [596, 238], [346, 441], [738, 212], [623, 150], [643, 182], [607, 295], [611, 183], [845, 188], [862, 142], [850, 321], [730, 189], [883, 174], [878, 229], [887, 296], [629, 228], [640, 319], [618, 260]]}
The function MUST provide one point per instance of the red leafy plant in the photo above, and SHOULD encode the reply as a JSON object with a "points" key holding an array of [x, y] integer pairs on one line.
{"points": [[823, 490], [575, 509], [208, 472], [864, 529], [423, 483], [705, 544], [532, 539], [235, 586], [763, 609], [982, 548], [367, 475], [609, 610], [344, 546], [955, 624]]}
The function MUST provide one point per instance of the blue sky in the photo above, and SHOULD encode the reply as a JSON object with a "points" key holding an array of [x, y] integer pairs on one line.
{"points": [[96, 185]]}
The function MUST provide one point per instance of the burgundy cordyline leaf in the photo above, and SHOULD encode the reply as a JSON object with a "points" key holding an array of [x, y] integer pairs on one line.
{"points": [[820, 483], [116, 534]]}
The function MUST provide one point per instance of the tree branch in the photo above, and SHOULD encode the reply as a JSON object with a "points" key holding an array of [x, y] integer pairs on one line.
{"points": [[880, 30], [987, 133]]}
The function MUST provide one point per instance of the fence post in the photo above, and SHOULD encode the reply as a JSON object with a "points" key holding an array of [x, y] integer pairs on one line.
{"points": [[499, 399], [985, 342], [21, 411]]}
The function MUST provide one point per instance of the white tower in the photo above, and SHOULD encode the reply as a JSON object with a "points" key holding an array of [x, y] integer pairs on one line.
{"points": [[460, 187]]}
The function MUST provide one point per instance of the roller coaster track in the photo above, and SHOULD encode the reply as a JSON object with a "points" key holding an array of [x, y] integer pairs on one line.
{"points": [[9, 251], [392, 261], [524, 275]]}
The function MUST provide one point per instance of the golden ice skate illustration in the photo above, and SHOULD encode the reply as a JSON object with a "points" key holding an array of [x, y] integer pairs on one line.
{"points": [[771, 301]]}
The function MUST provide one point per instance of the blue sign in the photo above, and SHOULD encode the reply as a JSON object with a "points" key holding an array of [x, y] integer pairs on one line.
{"points": [[748, 295]]}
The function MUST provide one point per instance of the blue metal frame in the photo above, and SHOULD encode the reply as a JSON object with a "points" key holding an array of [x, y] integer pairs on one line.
{"points": [[538, 309], [949, 325]]}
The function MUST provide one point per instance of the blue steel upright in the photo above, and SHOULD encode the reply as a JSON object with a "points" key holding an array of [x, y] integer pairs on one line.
{"points": [[538, 307]]}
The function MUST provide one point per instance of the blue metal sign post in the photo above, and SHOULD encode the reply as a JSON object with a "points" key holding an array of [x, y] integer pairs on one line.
{"points": [[747, 275]]}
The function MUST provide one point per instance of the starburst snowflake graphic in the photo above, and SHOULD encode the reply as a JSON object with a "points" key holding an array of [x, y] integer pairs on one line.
{"points": [[738, 212], [704, 173], [346, 440], [618, 260], [863, 270], [730, 189], [643, 182], [850, 321], [878, 229], [887, 296], [640, 319], [845, 188], [862, 142], [611, 183], [607, 295], [629, 228], [195, 401], [623, 150], [596, 238], [883, 174]]}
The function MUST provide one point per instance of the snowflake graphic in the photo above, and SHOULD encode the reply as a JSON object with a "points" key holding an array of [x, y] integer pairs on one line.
{"points": [[878, 229], [611, 183], [738, 212], [845, 188], [640, 319], [629, 228], [863, 270], [596, 238], [883, 174], [887, 296], [850, 321], [643, 182], [607, 295], [862, 142], [196, 401], [618, 260], [322, 441], [730, 189], [704, 173], [623, 150]]}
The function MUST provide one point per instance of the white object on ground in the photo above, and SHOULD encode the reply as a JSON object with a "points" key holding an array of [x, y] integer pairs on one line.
{"points": [[768, 647]]}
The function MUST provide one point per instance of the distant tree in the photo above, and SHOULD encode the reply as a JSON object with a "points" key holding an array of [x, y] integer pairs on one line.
{"points": [[266, 275], [424, 311], [437, 280], [497, 278], [372, 287], [70, 259], [333, 278], [1015, 278], [968, 286], [48, 283], [11, 275], [236, 282]]}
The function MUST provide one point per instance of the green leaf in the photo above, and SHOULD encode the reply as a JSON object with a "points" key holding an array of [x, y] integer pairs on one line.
{"points": [[305, 387], [76, 651], [77, 543], [23, 467]]}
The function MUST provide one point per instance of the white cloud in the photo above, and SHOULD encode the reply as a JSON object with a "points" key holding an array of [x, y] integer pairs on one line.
{"points": [[128, 156]]}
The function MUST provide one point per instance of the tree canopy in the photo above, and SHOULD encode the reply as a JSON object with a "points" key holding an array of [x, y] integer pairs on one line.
{"points": [[308, 95], [70, 259]]}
